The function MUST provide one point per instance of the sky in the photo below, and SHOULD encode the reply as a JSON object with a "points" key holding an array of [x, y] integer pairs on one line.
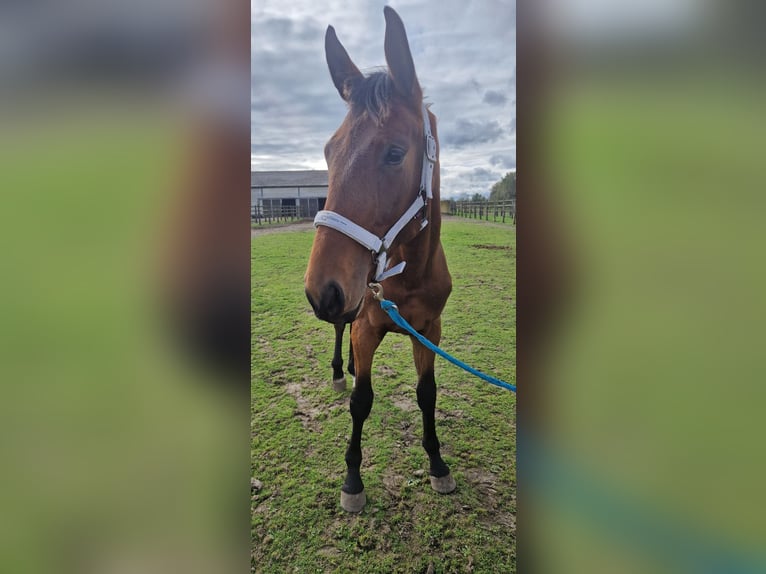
{"points": [[465, 58]]}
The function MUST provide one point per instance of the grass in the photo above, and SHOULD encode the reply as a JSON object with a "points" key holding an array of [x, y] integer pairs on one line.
{"points": [[300, 426]]}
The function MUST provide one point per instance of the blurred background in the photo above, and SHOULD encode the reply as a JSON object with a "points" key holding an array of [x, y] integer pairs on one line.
{"points": [[125, 293], [641, 177], [124, 165]]}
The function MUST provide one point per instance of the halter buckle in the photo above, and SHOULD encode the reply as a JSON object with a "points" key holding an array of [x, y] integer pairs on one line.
{"points": [[431, 148], [377, 291]]}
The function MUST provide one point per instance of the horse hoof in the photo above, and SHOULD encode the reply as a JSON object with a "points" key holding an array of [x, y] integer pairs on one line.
{"points": [[443, 484], [353, 502], [339, 385]]}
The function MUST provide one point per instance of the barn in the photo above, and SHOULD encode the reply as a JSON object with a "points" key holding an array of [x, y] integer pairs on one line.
{"points": [[287, 193]]}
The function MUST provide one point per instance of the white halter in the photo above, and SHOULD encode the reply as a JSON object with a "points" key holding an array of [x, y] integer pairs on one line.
{"points": [[379, 245]]}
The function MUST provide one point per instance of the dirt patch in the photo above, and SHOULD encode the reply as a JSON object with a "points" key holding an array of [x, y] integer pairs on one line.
{"points": [[305, 411], [487, 486], [491, 247], [449, 415], [392, 483], [405, 404], [329, 552], [408, 436], [480, 478], [265, 345], [386, 371]]}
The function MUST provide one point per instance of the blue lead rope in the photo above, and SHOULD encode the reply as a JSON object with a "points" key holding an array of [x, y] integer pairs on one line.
{"points": [[393, 312]]}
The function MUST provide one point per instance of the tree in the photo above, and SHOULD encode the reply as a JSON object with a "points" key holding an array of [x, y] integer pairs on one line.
{"points": [[505, 188], [478, 197]]}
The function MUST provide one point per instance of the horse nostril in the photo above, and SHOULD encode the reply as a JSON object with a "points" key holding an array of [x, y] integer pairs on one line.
{"points": [[331, 302]]}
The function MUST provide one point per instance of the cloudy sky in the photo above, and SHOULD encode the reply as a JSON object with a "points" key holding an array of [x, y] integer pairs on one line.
{"points": [[465, 58]]}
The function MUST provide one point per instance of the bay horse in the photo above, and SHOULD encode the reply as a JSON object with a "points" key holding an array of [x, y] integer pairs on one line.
{"points": [[381, 224]]}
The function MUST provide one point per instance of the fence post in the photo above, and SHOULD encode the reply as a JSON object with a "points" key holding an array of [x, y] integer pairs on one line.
{"points": [[501, 209]]}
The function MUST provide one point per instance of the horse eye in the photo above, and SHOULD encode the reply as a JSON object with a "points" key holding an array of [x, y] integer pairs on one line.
{"points": [[395, 155]]}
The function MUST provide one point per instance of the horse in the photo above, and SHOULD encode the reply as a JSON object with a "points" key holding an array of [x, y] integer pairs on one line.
{"points": [[381, 228]]}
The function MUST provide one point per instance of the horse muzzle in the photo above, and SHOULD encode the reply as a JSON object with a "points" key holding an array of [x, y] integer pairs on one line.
{"points": [[330, 304]]}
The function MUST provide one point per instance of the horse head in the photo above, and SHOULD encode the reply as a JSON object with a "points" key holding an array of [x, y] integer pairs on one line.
{"points": [[375, 164]]}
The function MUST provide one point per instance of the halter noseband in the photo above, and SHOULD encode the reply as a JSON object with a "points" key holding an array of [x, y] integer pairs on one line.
{"points": [[379, 245]]}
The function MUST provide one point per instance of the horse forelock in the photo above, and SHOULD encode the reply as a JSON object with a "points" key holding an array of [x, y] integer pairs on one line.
{"points": [[372, 94]]}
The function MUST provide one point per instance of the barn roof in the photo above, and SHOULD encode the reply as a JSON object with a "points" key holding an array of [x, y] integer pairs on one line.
{"points": [[305, 178]]}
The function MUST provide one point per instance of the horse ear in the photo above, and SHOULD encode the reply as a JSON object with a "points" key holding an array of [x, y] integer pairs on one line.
{"points": [[399, 59], [342, 69]]}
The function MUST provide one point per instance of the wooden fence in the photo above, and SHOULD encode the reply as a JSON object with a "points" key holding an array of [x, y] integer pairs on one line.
{"points": [[265, 215], [497, 211], [503, 211]]}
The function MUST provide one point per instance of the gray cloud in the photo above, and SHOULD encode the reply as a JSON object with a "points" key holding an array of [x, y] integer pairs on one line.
{"points": [[503, 161], [483, 174], [464, 55], [494, 98], [468, 132]]}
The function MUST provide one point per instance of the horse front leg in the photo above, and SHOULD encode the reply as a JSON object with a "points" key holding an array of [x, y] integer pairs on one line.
{"points": [[351, 370], [338, 380], [365, 341], [441, 479]]}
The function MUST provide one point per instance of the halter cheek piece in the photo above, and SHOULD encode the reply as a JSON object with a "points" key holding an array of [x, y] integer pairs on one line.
{"points": [[379, 246]]}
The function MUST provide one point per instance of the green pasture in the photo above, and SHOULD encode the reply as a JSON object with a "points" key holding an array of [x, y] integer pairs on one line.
{"points": [[300, 426]]}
